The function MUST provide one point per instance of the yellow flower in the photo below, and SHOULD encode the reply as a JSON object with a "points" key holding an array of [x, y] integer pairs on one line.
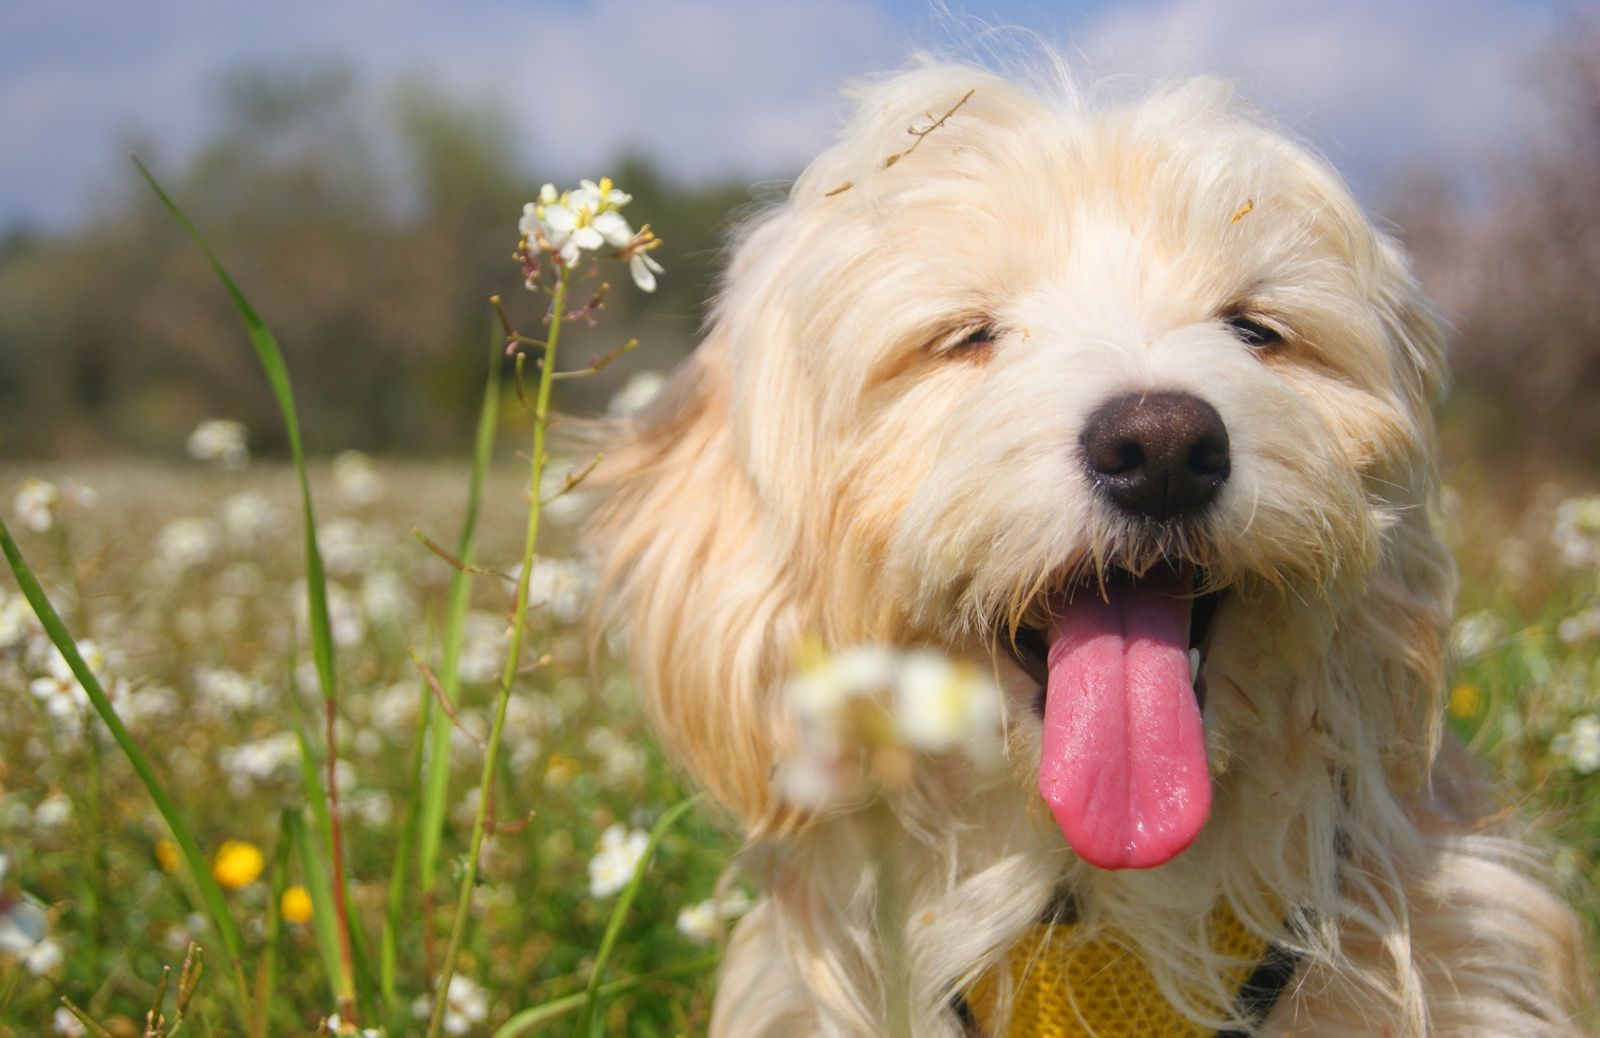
{"points": [[296, 904], [561, 769], [167, 855], [237, 864], [1466, 702]]}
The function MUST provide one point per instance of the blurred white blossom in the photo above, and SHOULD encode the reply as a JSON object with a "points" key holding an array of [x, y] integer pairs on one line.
{"points": [[64, 1023], [1576, 532], [259, 761], [466, 1005], [861, 713], [186, 543], [221, 440], [703, 922], [1474, 634], [621, 762], [249, 518], [356, 478], [560, 587], [1580, 627], [53, 811], [618, 857], [1580, 744], [35, 505]]}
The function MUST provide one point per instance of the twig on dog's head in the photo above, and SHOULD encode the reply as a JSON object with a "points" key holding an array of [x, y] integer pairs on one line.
{"points": [[919, 134], [922, 134], [1243, 211]]}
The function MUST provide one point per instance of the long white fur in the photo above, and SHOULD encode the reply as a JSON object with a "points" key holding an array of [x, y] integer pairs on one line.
{"points": [[824, 466]]}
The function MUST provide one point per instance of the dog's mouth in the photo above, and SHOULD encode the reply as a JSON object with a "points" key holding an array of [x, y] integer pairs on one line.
{"points": [[1120, 663]]}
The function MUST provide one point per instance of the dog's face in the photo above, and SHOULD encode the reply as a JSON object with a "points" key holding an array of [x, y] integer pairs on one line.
{"points": [[1070, 392]]}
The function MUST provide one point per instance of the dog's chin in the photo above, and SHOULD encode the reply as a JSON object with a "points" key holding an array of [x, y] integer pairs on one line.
{"points": [[1117, 663]]}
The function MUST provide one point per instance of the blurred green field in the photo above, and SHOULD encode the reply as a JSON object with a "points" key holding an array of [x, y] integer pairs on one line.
{"points": [[187, 580]]}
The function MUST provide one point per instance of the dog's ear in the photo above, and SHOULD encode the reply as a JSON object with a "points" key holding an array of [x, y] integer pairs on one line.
{"points": [[687, 564]]}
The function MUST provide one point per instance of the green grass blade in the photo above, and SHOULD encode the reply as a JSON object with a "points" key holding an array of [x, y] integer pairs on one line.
{"points": [[530, 1020], [277, 372], [438, 780], [389, 952], [267, 965], [323, 915], [619, 913], [210, 892]]}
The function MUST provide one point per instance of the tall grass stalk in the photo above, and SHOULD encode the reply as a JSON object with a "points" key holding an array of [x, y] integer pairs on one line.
{"points": [[519, 609], [277, 372]]}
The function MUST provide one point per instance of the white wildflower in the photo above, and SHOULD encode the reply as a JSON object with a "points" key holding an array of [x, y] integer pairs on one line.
{"points": [[356, 478], [1580, 627], [702, 923], [348, 546], [337, 1025], [1580, 744], [641, 388], [561, 587], [643, 267], [1576, 533], [64, 1023], [221, 440], [186, 543], [35, 505], [17, 622], [483, 648], [259, 761], [43, 957], [617, 859], [59, 689], [53, 811], [1474, 634], [249, 518], [465, 1004], [573, 222], [228, 688], [940, 704]]}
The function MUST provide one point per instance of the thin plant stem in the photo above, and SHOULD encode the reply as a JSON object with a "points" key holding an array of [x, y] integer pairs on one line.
{"points": [[541, 422]]}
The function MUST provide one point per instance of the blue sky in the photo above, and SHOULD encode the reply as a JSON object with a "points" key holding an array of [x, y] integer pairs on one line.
{"points": [[745, 88]]}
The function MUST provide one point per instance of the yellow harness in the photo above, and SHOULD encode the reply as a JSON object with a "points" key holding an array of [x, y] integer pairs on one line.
{"points": [[1100, 988]]}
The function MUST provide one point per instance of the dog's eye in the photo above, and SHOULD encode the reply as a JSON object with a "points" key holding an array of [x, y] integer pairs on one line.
{"points": [[1253, 333], [976, 338]]}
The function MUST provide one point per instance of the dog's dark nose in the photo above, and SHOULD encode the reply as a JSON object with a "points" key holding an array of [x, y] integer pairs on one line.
{"points": [[1157, 454]]}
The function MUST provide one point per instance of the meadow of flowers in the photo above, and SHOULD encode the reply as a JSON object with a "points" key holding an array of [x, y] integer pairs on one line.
{"points": [[593, 892]]}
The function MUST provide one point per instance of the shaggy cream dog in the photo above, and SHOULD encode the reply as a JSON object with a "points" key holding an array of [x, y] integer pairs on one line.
{"points": [[1069, 390]]}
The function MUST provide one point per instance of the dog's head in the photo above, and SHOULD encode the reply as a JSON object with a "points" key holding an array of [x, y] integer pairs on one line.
{"points": [[1072, 391]]}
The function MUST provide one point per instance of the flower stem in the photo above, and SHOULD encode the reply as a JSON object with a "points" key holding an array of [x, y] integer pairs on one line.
{"points": [[541, 422]]}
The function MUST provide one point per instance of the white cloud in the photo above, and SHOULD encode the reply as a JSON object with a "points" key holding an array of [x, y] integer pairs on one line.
{"points": [[1375, 84]]}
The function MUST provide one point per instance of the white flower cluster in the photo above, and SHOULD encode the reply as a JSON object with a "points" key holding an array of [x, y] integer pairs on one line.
{"points": [[587, 219], [614, 863], [703, 922], [221, 440], [1576, 532], [24, 929], [868, 708], [37, 502], [466, 1004], [1580, 744]]}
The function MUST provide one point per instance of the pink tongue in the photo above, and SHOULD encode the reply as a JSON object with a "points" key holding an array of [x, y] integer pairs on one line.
{"points": [[1124, 757]]}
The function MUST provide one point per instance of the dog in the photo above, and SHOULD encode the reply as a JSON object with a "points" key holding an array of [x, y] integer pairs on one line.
{"points": [[1082, 393]]}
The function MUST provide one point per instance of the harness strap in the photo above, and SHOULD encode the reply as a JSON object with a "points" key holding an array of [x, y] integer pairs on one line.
{"points": [[1100, 988]]}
